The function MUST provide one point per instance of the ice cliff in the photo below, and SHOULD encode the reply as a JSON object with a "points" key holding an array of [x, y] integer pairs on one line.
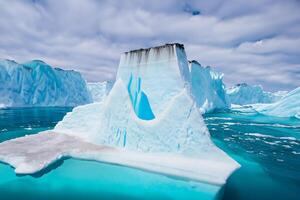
{"points": [[36, 83], [243, 94], [207, 88]]}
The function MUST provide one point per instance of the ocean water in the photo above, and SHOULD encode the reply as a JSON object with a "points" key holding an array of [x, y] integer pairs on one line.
{"points": [[268, 149], [19, 122]]}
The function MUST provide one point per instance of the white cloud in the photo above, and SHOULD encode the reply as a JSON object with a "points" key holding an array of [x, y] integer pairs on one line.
{"points": [[252, 41]]}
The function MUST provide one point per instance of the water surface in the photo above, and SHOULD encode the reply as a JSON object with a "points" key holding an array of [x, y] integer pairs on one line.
{"points": [[268, 149]]}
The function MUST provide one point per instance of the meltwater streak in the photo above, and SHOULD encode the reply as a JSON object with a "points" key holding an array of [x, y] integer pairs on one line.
{"points": [[267, 148]]}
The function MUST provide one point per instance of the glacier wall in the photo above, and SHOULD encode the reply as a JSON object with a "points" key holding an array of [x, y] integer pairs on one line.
{"points": [[243, 94], [207, 87], [38, 84]]}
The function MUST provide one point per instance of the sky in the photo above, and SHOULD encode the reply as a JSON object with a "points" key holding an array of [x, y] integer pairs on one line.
{"points": [[257, 41]]}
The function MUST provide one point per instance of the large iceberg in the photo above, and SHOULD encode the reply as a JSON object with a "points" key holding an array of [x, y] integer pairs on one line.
{"points": [[208, 89], [150, 109], [243, 94], [149, 120], [36, 83], [287, 106]]}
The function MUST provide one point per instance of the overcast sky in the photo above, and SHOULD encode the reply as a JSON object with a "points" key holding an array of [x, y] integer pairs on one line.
{"points": [[257, 42]]}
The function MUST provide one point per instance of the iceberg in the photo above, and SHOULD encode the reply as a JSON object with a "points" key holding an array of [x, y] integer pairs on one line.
{"points": [[149, 120], [36, 83], [208, 89], [287, 106], [99, 90], [243, 94]]}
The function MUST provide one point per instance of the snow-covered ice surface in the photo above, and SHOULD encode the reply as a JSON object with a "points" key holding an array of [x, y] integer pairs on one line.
{"points": [[149, 120], [243, 94], [208, 89], [288, 106], [47, 147], [38, 84]]}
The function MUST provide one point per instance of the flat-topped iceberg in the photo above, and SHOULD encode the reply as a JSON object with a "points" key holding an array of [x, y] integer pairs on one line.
{"points": [[243, 94], [149, 120], [208, 89], [150, 109], [38, 84]]}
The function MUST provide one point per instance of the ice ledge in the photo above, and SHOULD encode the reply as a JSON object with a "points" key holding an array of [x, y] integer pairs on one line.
{"points": [[47, 147]]}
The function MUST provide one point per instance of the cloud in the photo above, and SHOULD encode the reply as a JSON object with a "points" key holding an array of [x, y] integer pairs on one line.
{"points": [[250, 41]]}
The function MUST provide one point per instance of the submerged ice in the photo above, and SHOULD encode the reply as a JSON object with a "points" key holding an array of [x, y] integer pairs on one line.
{"points": [[38, 84]]}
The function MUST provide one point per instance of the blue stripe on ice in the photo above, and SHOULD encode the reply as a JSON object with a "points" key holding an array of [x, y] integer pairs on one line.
{"points": [[139, 99]]}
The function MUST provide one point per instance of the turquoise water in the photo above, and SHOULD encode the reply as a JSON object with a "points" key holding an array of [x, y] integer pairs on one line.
{"points": [[19, 122], [78, 179], [268, 149]]}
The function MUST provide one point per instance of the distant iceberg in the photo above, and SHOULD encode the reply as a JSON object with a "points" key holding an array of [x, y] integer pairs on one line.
{"points": [[99, 90], [38, 84], [243, 94], [149, 120], [208, 89], [288, 106]]}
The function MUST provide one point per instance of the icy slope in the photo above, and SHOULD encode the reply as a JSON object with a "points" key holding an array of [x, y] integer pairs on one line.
{"points": [[208, 89], [288, 106], [37, 84], [243, 94]]}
